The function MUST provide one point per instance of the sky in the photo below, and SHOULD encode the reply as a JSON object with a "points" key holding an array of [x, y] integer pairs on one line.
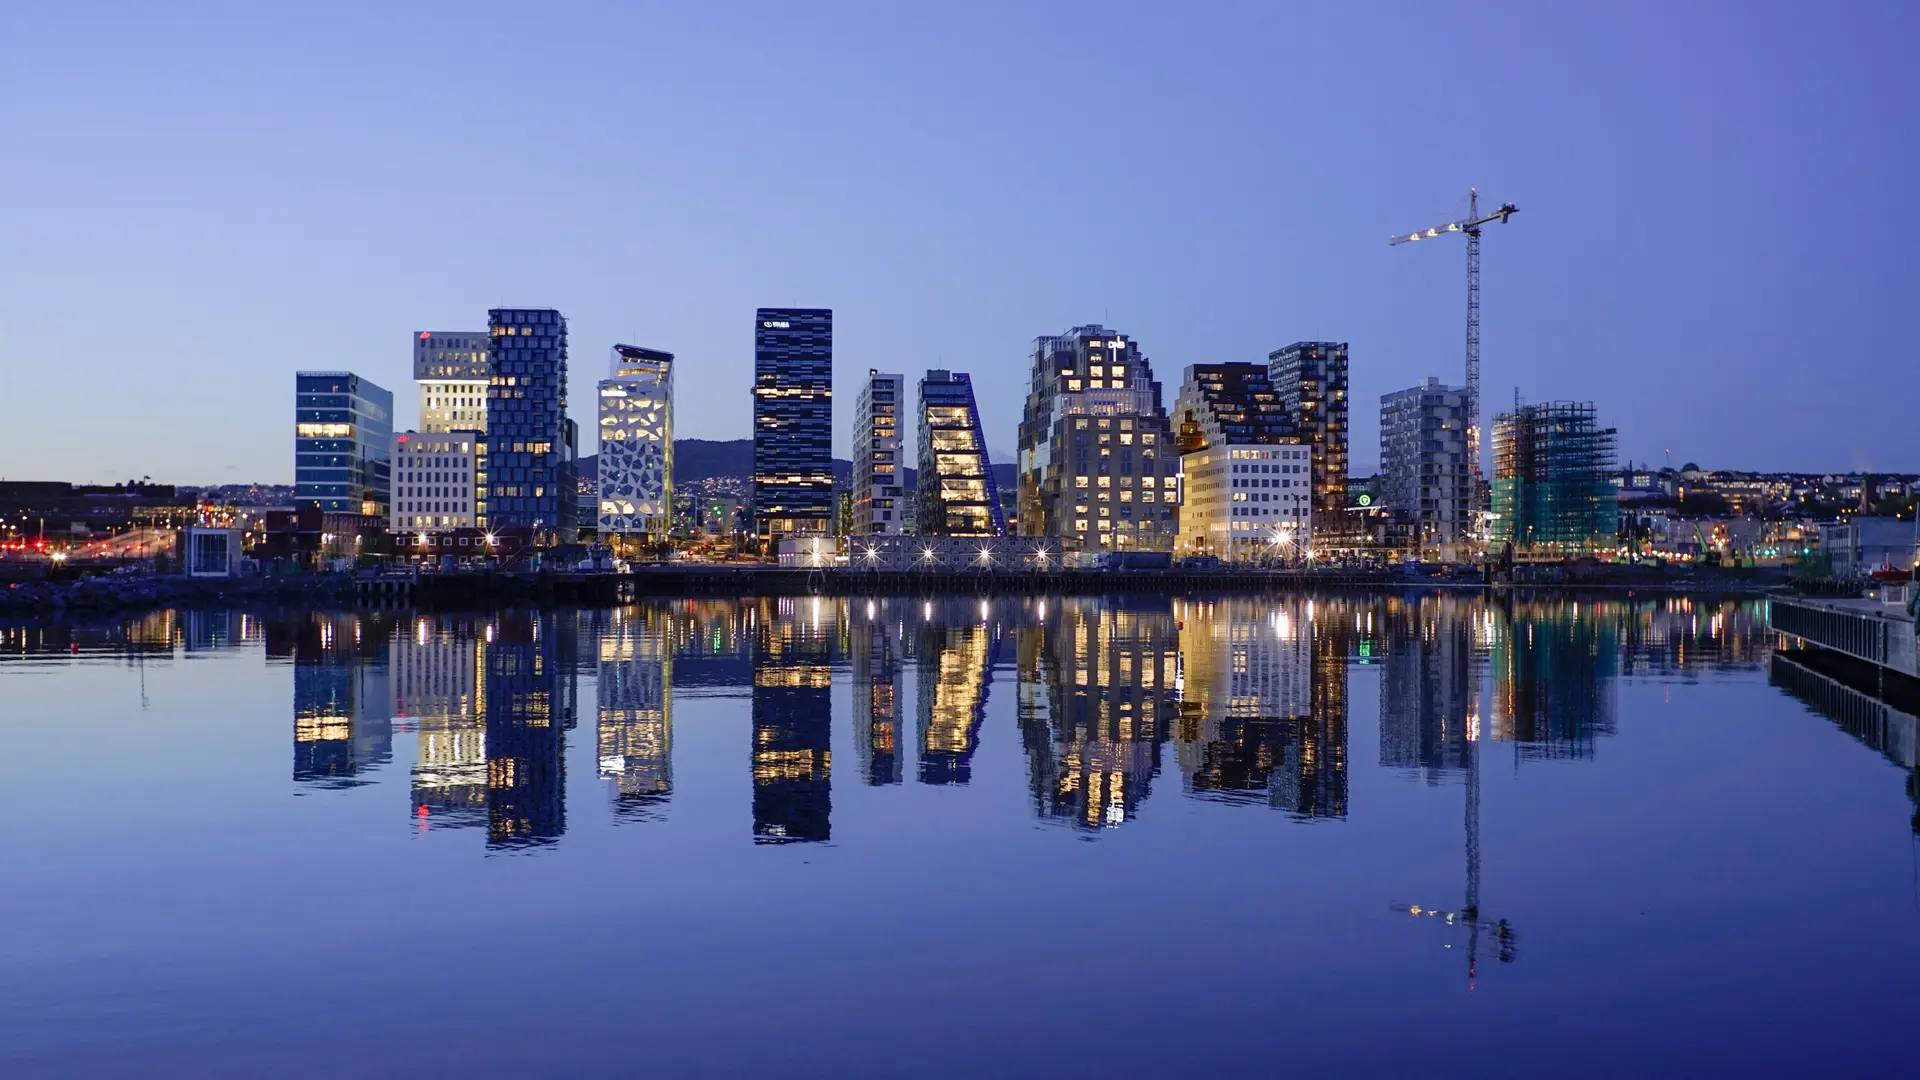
{"points": [[196, 201]]}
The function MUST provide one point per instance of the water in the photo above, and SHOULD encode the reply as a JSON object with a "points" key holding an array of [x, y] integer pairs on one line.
{"points": [[951, 838]]}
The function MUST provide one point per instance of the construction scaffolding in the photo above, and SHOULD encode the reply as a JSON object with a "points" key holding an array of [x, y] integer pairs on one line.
{"points": [[1553, 493]]}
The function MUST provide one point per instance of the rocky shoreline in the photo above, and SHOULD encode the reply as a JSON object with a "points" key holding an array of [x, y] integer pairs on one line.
{"points": [[108, 593]]}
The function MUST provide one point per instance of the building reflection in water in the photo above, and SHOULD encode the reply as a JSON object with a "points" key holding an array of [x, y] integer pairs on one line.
{"points": [[636, 712], [342, 726], [1553, 676], [1254, 690], [1095, 698], [958, 647], [793, 720], [439, 685], [528, 688], [1430, 684], [1263, 703], [1890, 727], [876, 690]]}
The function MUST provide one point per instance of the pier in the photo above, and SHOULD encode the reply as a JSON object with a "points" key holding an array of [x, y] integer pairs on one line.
{"points": [[1875, 631]]}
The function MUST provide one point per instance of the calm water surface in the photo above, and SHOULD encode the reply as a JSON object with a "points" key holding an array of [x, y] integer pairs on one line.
{"points": [[1367, 836]]}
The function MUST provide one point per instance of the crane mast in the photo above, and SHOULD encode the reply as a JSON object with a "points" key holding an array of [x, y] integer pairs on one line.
{"points": [[1474, 505], [1471, 226]]}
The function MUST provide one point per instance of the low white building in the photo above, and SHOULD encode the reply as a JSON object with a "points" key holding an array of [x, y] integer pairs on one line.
{"points": [[436, 482], [1247, 477]]}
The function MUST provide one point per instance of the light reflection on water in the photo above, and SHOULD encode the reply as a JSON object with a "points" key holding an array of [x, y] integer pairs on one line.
{"points": [[710, 723]]}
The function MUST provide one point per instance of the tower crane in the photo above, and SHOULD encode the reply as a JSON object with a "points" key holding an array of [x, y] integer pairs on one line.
{"points": [[1471, 226]]}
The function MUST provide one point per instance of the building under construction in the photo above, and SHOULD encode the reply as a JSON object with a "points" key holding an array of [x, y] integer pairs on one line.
{"points": [[1553, 494]]}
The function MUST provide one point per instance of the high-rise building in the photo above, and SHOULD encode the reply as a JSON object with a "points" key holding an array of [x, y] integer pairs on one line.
{"points": [[450, 367], [792, 422], [532, 475], [636, 445], [879, 491], [1247, 475], [343, 442], [434, 485], [1425, 468], [957, 494], [1097, 462], [1553, 493], [1311, 379]]}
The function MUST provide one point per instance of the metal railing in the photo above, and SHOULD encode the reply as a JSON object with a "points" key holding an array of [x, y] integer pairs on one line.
{"points": [[1855, 633]]}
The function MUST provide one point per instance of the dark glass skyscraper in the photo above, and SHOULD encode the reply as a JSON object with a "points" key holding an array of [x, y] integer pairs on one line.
{"points": [[532, 478], [792, 421], [1311, 379], [343, 443]]}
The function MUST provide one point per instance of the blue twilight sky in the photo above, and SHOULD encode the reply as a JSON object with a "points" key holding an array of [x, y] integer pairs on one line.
{"points": [[198, 200]]}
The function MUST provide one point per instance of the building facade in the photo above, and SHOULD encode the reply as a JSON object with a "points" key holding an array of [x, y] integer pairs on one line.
{"points": [[792, 421], [635, 464], [435, 486], [1426, 468], [1097, 462], [450, 367], [957, 495], [1247, 491], [343, 441], [1553, 493], [532, 475], [1310, 378], [879, 488]]}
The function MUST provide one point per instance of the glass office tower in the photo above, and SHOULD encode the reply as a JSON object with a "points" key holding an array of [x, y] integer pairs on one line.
{"points": [[343, 442], [792, 421], [532, 477]]}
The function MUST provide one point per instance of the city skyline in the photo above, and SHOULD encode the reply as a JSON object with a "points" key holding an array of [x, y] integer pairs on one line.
{"points": [[1649, 210]]}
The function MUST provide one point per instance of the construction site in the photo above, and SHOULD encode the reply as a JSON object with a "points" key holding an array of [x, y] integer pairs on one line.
{"points": [[1553, 493]]}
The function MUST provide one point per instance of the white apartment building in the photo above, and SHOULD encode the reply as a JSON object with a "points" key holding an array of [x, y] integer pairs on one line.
{"points": [[436, 482], [1247, 476], [636, 444], [880, 496]]}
